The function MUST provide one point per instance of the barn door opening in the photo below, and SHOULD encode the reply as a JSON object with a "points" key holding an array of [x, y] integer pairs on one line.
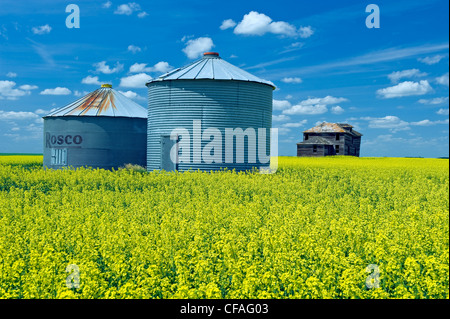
{"points": [[168, 163]]}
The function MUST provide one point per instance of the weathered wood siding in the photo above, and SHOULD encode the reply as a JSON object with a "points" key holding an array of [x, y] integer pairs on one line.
{"points": [[308, 150], [357, 145], [348, 145]]}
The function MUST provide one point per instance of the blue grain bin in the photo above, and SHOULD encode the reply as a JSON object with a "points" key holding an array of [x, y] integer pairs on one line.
{"points": [[103, 129], [190, 106]]}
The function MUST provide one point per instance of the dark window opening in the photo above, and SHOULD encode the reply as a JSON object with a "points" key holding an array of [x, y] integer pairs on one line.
{"points": [[338, 137], [315, 148], [306, 137], [337, 149]]}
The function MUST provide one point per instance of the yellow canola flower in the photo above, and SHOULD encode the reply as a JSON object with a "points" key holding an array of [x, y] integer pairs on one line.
{"points": [[309, 231]]}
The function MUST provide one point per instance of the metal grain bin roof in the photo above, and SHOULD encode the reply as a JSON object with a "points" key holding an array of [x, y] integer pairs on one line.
{"points": [[102, 102], [211, 67]]}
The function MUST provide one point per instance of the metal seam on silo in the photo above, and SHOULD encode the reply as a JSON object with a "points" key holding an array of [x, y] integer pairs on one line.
{"points": [[105, 95], [188, 69], [187, 66], [228, 72], [64, 107], [201, 68]]}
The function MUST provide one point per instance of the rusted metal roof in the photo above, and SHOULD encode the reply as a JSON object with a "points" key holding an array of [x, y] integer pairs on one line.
{"points": [[326, 128], [211, 67], [333, 128], [102, 102]]}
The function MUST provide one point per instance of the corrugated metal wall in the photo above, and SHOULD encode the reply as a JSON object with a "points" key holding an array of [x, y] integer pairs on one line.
{"points": [[218, 104], [98, 142]]}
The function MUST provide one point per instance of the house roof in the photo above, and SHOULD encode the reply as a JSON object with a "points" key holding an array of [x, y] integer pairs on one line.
{"points": [[333, 128], [316, 140]]}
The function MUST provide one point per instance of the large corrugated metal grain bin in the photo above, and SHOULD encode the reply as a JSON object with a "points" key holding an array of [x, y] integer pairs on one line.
{"points": [[103, 129], [209, 115]]}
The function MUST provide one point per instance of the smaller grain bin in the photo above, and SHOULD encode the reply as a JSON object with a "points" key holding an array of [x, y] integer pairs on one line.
{"points": [[103, 129]]}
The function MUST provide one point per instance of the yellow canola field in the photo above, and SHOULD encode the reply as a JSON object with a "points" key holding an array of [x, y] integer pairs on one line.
{"points": [[308, 231]]}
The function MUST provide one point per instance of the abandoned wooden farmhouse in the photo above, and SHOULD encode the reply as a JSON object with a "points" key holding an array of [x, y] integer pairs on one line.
{"points": [[329, 139]]}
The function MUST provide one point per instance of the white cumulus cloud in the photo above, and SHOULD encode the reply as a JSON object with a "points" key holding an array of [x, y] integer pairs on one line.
{"points": [[337, 110], [129, 94], [395, 124], [389, 122], [442, 112], [296, 124], [162, 67], [429, 123], [17, 115], [41, 112], [434, 101], [134, 48], [102, 67], [328, 100], [127, 9], [28, 87], [43, 29], [407, 88], [305, 32], [9, 91], [292, 80], [56, 91], [107, 4], [91, 80], [11, 75], [227, 24], [431, 60], [395, 77], [282, 28], [194, 48], [281, 104], [135, 81], [132, 95], [443, 80], [78, 93], [139, 67], [255, 23], [280, 118], [314, 106], [307, 109]]}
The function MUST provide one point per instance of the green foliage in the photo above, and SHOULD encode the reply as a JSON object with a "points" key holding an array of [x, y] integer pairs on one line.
{"points": [[308, 231], [135, 168]]}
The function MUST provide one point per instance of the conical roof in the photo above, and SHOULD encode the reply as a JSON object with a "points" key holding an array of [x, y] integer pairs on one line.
{"points": [[102, 102], [211, 67]]}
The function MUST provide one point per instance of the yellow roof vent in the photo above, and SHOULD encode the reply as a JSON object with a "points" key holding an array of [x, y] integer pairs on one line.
{"points": [[106, 86]]}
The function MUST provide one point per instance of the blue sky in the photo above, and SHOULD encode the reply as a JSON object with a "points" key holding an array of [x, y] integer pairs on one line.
{"points": [[391, 83]]}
